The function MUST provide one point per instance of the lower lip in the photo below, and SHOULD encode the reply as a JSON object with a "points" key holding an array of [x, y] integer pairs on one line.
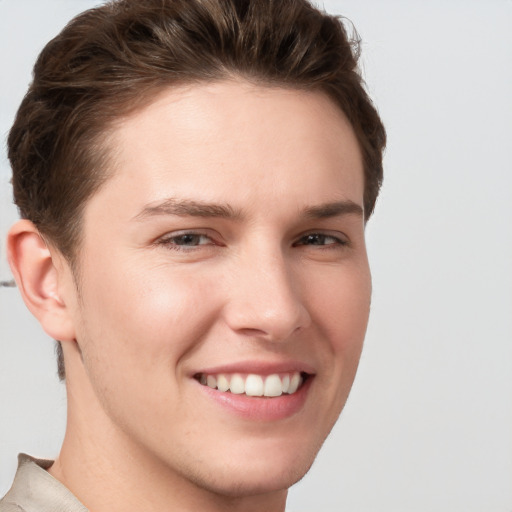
{"points": [[261, 408]]}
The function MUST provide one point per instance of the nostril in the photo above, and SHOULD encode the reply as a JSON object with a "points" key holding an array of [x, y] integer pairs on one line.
{"points": [[249, 331]]}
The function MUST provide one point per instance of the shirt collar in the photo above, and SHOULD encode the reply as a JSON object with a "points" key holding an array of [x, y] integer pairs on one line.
{"points": [[35, 490]]}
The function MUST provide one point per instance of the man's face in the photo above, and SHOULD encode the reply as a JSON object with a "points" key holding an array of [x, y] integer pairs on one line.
{"points": [[226, 250]]}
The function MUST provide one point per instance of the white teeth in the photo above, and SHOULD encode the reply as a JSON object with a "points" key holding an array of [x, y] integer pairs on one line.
{"points": [[254, 385], [295, 382], [237, 384], [222, 383], [273, 386], [286, 383]]}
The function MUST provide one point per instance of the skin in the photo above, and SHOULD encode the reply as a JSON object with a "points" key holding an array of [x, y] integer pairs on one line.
{"points": [[145, 312]]}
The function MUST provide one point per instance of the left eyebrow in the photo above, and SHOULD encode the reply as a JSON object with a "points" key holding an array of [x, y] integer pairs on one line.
{"points": [[335, 209]]}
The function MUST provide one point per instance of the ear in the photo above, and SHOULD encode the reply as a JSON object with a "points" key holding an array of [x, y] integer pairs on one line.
{"points": [[41, 277]]}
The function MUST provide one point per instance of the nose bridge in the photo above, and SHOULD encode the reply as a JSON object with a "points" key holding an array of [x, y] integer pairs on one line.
{"points": [[265, 299]]}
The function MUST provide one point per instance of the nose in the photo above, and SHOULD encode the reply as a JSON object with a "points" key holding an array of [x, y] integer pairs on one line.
{"points": [[266, 299]]}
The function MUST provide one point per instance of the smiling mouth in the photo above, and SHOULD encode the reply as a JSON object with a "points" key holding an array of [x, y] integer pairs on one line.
{"points": [[254, 385]]}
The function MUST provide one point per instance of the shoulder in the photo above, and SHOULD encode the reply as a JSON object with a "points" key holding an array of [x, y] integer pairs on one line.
{"points": [[6, 506]]}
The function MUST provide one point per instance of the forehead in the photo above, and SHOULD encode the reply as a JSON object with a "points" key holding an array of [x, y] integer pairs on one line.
{"points": [[233, 141]]}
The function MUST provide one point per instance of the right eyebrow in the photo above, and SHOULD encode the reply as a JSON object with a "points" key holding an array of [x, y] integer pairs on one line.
{"points": [[188, 208]]}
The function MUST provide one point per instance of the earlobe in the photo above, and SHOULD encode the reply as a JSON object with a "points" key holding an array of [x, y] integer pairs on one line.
{"points": [[39, 279]]}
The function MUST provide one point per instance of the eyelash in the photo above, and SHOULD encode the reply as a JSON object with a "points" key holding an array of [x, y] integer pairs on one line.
{"points": [[309, 239], [321, 236]]}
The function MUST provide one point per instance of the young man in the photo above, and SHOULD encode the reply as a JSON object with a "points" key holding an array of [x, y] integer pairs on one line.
{"points": [[194, 178]]}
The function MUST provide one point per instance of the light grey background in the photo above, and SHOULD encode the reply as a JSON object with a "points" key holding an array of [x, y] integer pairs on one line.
{"points": [[428, 426]]}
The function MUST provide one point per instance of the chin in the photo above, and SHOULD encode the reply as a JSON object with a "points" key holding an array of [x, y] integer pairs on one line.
{"points": [[251, 482], [256, 475]]}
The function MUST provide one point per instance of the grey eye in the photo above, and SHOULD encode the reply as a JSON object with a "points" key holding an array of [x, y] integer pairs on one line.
{"points": [[189, 239]]}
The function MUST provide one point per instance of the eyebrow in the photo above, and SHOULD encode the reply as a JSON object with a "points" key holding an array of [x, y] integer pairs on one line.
{"points": [[191, 208], [335, 209]]}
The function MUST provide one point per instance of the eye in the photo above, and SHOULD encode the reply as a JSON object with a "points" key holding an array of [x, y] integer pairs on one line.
{"points": [[185, 241], [321, 239]]}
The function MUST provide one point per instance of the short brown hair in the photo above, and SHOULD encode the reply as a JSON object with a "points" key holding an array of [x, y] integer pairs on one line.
{"points": [[113, 59]]}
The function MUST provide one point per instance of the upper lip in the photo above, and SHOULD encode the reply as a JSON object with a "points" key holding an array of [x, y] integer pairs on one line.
{"points": [[258, 368]]}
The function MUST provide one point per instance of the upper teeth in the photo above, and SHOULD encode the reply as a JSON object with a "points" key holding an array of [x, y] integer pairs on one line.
{"points": [[254, 385]]}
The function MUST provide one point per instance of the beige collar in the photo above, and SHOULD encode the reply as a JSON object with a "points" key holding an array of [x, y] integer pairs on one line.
{"points": [[35, 490]]}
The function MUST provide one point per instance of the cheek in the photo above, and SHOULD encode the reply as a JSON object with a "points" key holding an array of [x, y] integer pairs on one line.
{"points": [[341, 305], [135, 328], [341, 309], [138, 316]]}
